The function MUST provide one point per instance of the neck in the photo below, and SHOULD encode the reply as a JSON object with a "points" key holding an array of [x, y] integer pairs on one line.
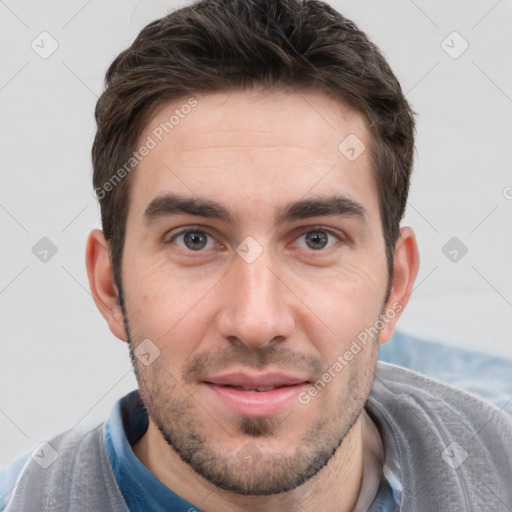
{"points": [[335, 488]]}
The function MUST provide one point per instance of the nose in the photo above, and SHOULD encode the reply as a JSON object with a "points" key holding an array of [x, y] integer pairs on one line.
{"points": [[256, 304]]}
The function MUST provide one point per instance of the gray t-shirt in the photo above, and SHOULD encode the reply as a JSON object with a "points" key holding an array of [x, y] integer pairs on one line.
{"points": [[445, 450]]}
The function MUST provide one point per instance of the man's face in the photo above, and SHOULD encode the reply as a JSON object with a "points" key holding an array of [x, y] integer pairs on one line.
{"points": [[267, 298]]}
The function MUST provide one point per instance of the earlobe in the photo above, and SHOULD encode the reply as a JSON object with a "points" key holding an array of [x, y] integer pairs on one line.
{"points": [[406, 264], [101, 282]]}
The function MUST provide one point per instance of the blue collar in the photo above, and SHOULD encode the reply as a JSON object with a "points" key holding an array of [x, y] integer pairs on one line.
{"points": [[141, 490]]}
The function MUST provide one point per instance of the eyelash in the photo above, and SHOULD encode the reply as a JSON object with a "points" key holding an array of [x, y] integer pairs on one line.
{"points": [[340, 238]]}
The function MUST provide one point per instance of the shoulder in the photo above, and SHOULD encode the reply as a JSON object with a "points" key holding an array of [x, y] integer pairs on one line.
{"points": [[444, 440], [392, 378], [483, 374], [62, 472], [400, 390]]}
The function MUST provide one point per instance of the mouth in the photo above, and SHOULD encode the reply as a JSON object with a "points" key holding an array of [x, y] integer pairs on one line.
{"points": [[257, 395], [259, 389]]}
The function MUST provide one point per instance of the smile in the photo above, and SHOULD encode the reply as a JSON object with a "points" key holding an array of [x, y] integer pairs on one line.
{"points": [[256, 396]]}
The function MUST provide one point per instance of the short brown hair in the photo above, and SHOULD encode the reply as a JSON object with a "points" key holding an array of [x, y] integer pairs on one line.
{"points": [[222, 45]]}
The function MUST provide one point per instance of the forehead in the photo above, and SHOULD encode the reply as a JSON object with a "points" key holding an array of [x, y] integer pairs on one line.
{"points": [[250, 148]]}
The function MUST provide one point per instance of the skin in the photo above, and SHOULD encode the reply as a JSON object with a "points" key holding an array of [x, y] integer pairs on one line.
{"points": [[295, 308]]}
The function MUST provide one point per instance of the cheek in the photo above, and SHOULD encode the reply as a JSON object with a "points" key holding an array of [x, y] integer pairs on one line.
{"points": [[348, 305], [168, 309]]}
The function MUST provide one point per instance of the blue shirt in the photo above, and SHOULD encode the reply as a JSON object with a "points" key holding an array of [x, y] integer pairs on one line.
{"points": [[141, 490]]}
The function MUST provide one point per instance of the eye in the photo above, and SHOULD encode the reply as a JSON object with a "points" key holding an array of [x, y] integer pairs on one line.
{"points": [[318, 239], [193, 240]]}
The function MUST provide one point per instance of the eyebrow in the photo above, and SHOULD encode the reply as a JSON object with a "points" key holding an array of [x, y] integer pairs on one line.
{"points": [[331, 205]]}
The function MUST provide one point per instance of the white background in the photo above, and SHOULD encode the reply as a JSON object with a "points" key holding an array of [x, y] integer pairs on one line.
{"points": [[59, 366]]}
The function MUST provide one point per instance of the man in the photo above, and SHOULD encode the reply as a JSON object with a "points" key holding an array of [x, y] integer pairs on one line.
{"points": [[252, 164]]}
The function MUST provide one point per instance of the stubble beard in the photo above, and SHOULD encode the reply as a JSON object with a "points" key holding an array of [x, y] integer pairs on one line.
{"points": [[248, 471]]}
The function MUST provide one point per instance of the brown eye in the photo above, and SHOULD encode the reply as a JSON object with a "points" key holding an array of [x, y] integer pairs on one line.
{"points": [[317, 240], [193, 240]]}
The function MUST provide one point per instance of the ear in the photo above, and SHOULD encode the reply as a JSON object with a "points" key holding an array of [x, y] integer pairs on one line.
{"points": [[101, 281], [405, 267]]}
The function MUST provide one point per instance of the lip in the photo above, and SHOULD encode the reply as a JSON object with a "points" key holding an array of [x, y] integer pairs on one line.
{"points": [[246, 380], [244, 400]]}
